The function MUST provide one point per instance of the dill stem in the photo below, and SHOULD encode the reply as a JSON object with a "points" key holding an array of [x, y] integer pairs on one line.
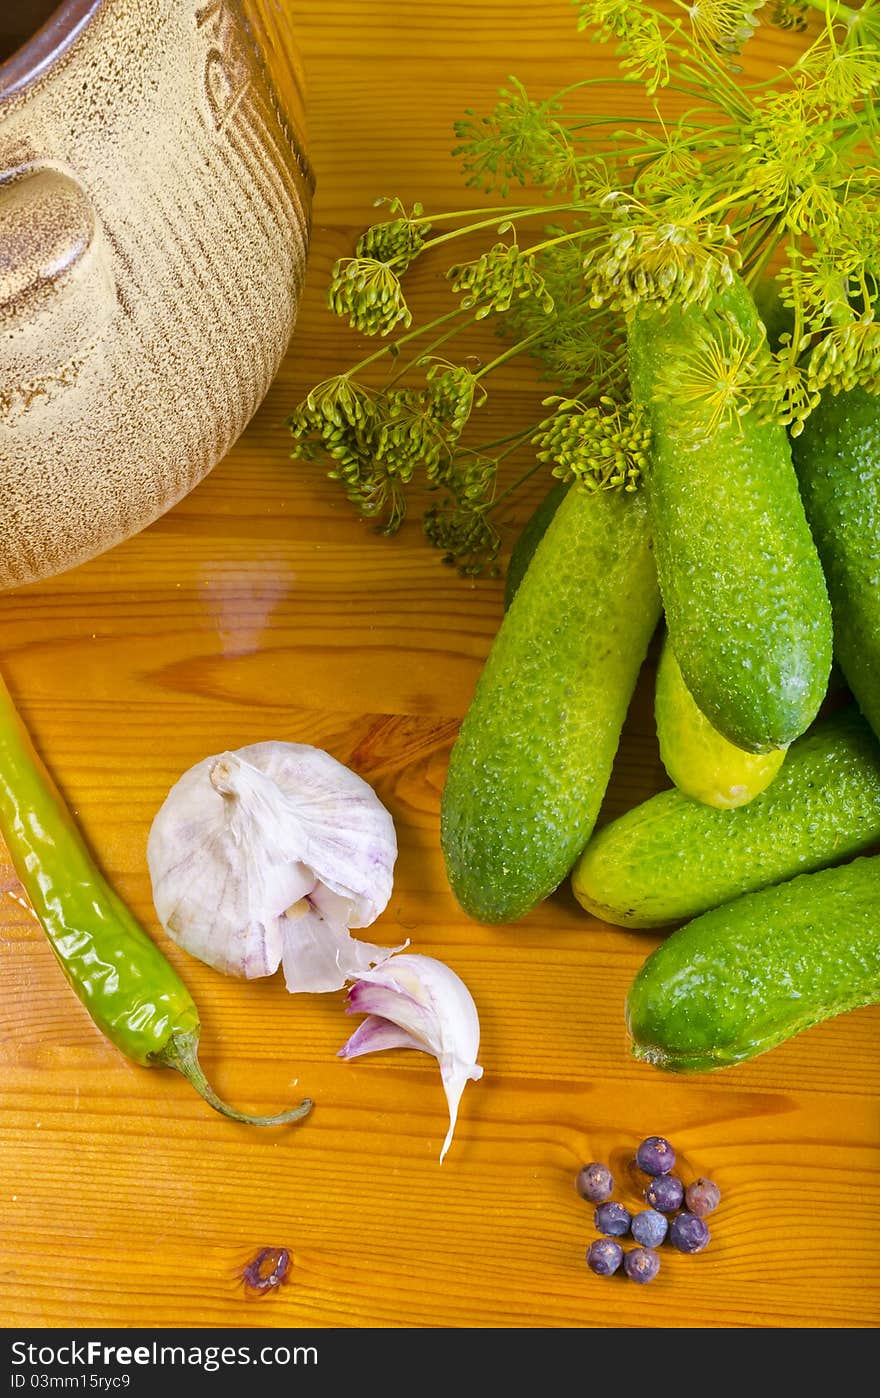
{"points": [[692, 89], [423, 353], [515, 443], [729, 199], [515, 485], [714, 131], [469, 213], [754, 273], [514, 437], [526, 212], [394, 345], [728, 96], [835, 11], [575, 120], [798, 308], [509, 353], [562, 238], [576, 86]]}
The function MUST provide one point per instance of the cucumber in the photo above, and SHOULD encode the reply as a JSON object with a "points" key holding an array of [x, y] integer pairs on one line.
{"points": [[702, 764], [672, 858], [777, 318], [533, 532], [743, 978], [745, 600], [837, 459], [532, 761]]}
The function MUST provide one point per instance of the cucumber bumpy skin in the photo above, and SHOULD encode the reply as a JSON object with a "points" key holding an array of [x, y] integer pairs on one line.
{"points": [[701, 763], [837, 459], [743, 978], [672, 858], [533, 531], [743, 591], [534, 755]]}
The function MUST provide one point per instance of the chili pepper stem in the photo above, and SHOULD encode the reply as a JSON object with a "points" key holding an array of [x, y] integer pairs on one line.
{"points": [[181, 1053]]}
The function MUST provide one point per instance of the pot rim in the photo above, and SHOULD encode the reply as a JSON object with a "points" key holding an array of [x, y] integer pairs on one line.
{"points": [[37, 55]]}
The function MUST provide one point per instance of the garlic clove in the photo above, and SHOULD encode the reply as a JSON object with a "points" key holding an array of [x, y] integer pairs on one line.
{"points": [[375, 1034], [455, 1077], [319, 954], [417, 1002], [388, 1001], [271, 854], [348, 836]]}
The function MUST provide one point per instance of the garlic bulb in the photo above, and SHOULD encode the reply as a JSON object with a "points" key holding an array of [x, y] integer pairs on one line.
{"points": [[416, 1002], [269, 855]]}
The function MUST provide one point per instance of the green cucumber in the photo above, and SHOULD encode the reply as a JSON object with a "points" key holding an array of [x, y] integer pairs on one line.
{"points": [[529, 769], [532, 533], [837, 459], [743, 978], [777, 318], [672, 858], [742, 585], [697, 758]]}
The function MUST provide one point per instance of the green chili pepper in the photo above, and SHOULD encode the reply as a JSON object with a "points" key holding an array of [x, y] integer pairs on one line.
{"points": [[131, 992]]}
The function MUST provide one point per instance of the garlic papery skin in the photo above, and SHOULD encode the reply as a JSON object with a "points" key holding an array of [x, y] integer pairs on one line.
{"points": [[269, 855], [417, 1002]]}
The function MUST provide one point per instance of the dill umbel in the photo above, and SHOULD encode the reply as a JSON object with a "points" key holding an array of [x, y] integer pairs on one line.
{"points": [[773, 181]]}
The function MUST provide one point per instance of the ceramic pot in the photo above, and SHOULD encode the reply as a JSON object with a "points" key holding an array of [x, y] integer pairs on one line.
{"points": [[154, 210]]}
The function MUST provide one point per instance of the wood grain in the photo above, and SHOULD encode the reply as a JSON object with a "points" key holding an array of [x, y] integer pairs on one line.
{"points": [[260, 607]]}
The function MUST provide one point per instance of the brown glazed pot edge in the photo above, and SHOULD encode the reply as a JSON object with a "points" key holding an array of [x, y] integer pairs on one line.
{"points": [[46, 45]]}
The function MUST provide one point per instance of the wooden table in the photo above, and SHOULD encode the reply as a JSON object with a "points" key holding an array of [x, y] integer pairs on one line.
{"points": [[262, 608]]}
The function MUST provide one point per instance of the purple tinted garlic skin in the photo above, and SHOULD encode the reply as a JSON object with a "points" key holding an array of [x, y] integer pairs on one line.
{"points": [[268, 856], [417, 1002]]}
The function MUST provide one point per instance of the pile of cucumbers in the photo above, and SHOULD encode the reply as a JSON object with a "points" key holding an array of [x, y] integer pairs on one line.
{"points": [[763, 555]]}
